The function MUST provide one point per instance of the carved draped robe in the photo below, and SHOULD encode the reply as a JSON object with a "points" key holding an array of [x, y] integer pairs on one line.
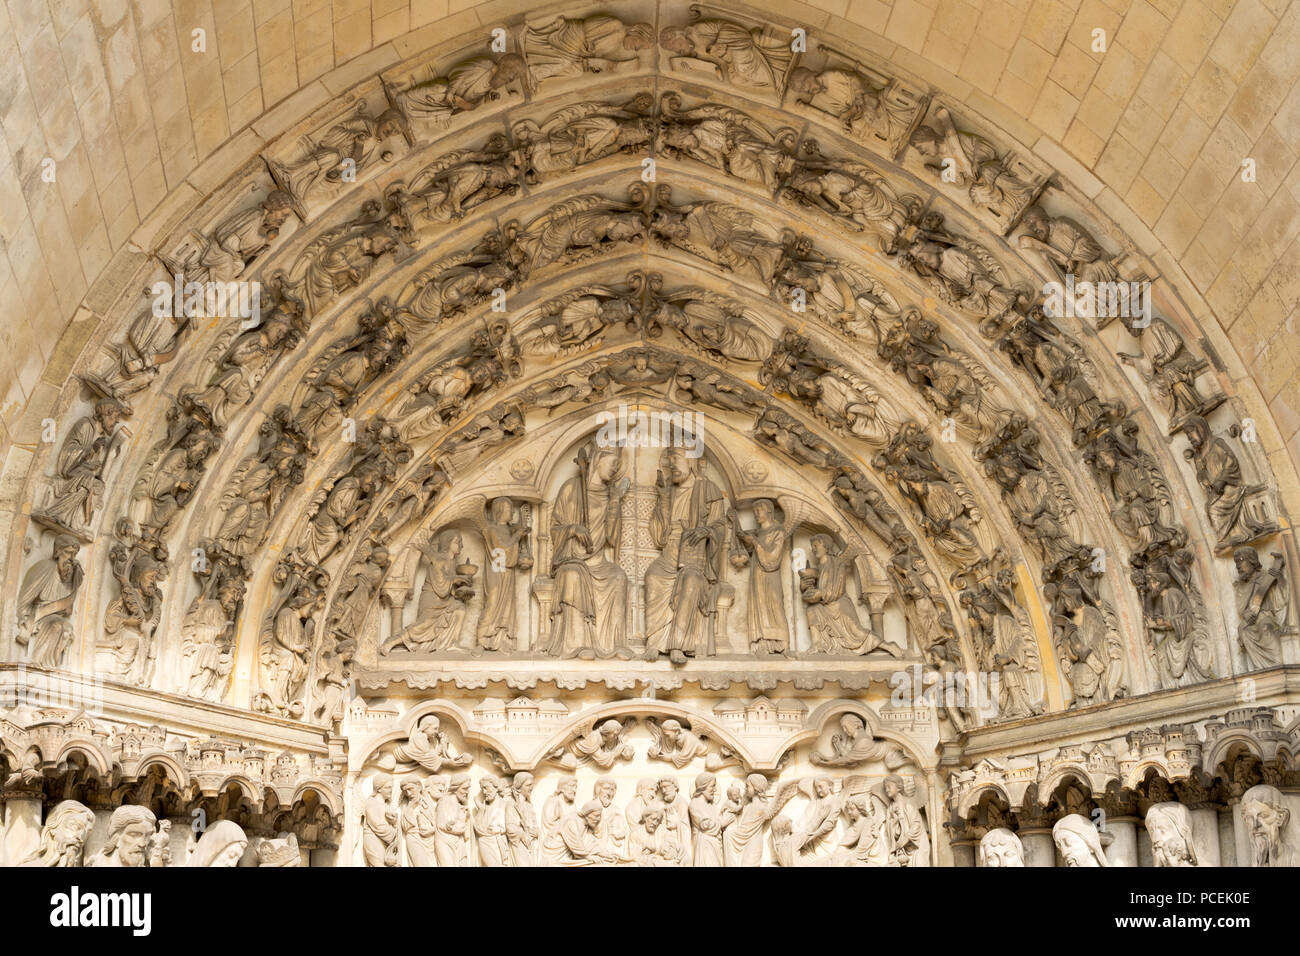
{"points": [[451, 842], [521, 831], [765, 614], [497, 624], [1262, 608], [440, 616], [1185, 646], [490, 829], [419, 827], [833, 620], [570, 844], [43, 592], [679, 584], [706, 833], [590, 590], [742, 841], [378, 834]]}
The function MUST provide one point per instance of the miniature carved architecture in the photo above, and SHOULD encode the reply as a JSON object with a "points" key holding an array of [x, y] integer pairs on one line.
{"points": [[659, 440]]}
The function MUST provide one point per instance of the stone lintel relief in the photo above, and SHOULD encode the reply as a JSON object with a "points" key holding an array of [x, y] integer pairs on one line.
{"points": [[641, 781]]}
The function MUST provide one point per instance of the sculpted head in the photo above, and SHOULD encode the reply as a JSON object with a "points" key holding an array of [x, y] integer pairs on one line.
{"points": [[1266, 817], [1000, 848], [604, 791], [64, 835], [1170, 827], [590, 813], [609, 732], [1078, 841], [382, 786], [645, 788], [706, 786], [671, 730], [652, 816], [568, 787], [436, 787], [755, 785], [523, 784], [676, 40], [1246, 561], [852, 725], [460, 786], [668, 789], [129, 830], [823, 787], [221, 846], [411, 790]]}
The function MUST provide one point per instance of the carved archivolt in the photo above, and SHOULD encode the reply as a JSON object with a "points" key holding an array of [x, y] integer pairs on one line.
{"points": [[464, 259]]}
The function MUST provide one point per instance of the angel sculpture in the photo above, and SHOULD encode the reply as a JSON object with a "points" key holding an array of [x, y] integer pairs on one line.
{"points": [[856, 745], [429, 746], [603, 745], [446, 189], [731, 52], [582, 134], [909, 841], [746, 814], [833, 621], [467, 86], [674, 742], [726, 139]]}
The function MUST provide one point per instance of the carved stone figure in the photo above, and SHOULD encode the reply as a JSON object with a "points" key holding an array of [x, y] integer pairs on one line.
{"points": [[127, 844], [1267, 819], [1172, 371], [613, 830], [589, 609], [908, 839], [441, 614], [745, 817], [207, 636], [45, 601], [654, 843], [245, 363], [765, 547], [490, 824], [1182, 644], [1000, 847], [1170, 827], [833, 621], [603, 745], [1263, 603], [674, 743], [460, 180], [418, 819], [451, 844], [286, 643], [940, 504], [856, 745], [853, 193], [222, 845], [993, 181], [1068, 247], [866, 837], [431, 747], [728, 51], [560, 805], [521, 821], [575, 841], [467, 86], [379, 830], [77, 486], [725, 138], [705, 822], [572, 46], [813, 836], [343, 152], [126, 649], [63, 837], [584, 133], [505, 537], [151, 341], [1230, 503], [1078, 841], [689, 527]]}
